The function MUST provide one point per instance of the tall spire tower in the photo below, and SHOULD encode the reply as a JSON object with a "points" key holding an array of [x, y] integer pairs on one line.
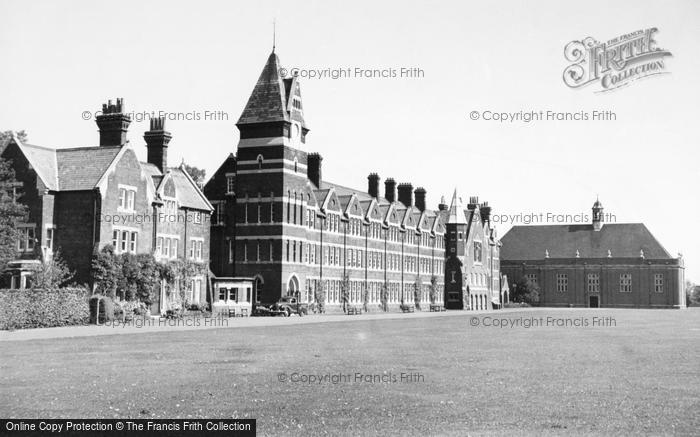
{"points": [[456, 244], [272, 175]]}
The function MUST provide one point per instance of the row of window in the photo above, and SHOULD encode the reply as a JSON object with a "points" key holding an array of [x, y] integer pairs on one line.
{"points": [[167, 247], [374, 289], [124, 240], [294, 251], [593, 282]]}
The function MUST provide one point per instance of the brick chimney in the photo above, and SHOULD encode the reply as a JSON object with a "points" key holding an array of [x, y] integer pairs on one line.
{"points": [[420, 198], [473, 203], [113, 123], [390, 189], [313, 168], [406, 193], [442, 206], [373, 184], [157, 140], [485, 212]]}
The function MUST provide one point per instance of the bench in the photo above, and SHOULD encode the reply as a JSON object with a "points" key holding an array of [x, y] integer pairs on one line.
{"points": [[408, 308], [437, 307], [354, 311]]}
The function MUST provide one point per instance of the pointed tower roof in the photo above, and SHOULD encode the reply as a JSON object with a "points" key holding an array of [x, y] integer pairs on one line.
{"points": [[456, 215], [272, 99], [267, 102]]}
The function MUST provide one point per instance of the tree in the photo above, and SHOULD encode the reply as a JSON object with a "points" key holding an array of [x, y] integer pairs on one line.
{"points": [[385, 297], [6, 136], [198, 175], [417, 285], [147, 279], [321, 296], [127, 282], [433, 289], [526, 291], [365, 298], [692, 293], [345, 292], [11, 212], [106, 271], [52, 273]]}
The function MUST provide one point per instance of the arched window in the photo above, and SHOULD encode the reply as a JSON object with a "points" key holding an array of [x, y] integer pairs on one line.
{"points": [[260, 162], [296, 164]]}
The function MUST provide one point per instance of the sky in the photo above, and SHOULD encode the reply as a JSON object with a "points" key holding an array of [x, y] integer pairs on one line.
{"points": [[62, 59]]}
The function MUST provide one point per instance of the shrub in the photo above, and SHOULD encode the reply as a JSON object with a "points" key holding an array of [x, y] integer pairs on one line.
{"points": [[106, 308], [27, 308]]}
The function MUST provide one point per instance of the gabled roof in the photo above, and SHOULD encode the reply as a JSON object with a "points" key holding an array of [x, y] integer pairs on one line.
{"points": [[188, 194], [624, 240], [85, 168], [43, 160], [73, 169]]}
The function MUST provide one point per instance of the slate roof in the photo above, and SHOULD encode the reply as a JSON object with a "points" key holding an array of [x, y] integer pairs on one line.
{"points": [[187, 195], [456, 211], [81, 168], [624, 240], [43, 160], [269, 101]]}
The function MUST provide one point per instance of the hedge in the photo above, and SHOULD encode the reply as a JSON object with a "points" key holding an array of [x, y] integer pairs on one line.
{"points": [[27, 308]]}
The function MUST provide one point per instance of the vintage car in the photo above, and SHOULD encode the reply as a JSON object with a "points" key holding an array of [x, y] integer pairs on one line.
{"points": [[291, 305]]}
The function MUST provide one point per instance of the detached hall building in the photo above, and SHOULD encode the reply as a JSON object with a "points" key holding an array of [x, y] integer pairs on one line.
{"points": [[84, 198], [596, 265]]}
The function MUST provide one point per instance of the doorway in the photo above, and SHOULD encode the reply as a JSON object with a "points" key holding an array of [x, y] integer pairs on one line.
{"points": [[593, 302]]}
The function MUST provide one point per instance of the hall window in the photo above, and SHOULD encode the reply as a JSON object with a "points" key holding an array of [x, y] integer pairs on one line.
{"points": [[626, 283], [562, 283], [659, 283], [593, 283], [230, 184]]}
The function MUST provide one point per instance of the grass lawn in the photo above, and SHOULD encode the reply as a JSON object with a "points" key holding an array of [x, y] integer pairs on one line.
{"points": [[641, 376]]}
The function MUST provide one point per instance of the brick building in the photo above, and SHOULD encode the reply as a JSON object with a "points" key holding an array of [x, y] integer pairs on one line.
{"points": [[473, 277], [596, 265], [85, 198], [279, 221]]}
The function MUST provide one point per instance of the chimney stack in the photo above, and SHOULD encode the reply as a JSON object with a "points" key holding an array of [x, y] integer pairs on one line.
{"points": [[313, 168], [473, 203], [157, 139], [442, 206], [113, 123], [390, 189], [406, 194], [373, 185], [485, 211], [420, 198]]}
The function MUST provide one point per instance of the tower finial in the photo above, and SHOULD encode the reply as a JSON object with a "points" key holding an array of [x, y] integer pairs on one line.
{"points": [[274, 34]]}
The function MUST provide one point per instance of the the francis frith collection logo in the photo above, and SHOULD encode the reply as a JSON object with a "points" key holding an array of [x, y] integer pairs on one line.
{"points": [[616, 62]]}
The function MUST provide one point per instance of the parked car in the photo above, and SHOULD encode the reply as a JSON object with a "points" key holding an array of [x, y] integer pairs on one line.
{"points": [[291, 305]]}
